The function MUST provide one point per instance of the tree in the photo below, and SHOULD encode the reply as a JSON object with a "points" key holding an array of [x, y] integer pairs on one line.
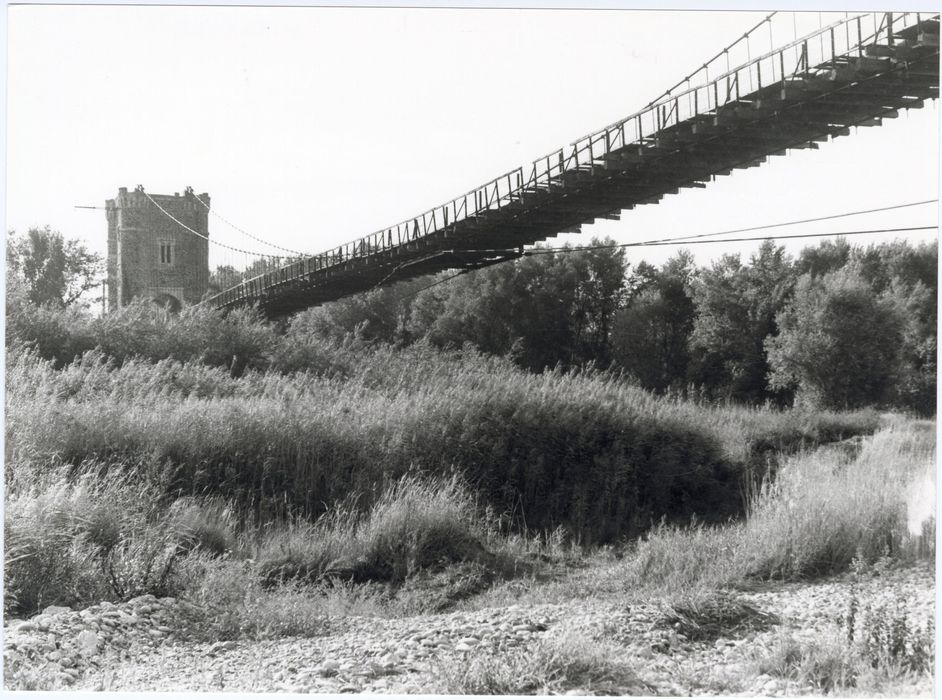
{"points": [[827, 256], [380, 314], [599, 292], [224, 277], [545, 309], [838, 342], [736, 307], [52, 270], [915, 385], [650, 334]]}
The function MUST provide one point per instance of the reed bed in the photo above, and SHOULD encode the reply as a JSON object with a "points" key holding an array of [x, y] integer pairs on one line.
{"points": [[584, 450]]}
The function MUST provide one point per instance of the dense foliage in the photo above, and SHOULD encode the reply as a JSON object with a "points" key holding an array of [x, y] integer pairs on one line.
{"points": [[143, 445], [769, 329], [587, 451], [45, 268]]}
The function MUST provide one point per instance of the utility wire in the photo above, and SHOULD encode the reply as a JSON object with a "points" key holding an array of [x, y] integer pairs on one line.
{"points": [[669, 241], [680, 240], [691, 240], [697, 238], [801, 221], [246, 233], [684, 240]]}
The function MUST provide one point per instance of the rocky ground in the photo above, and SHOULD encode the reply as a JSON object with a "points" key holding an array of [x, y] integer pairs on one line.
{"points": [[148, 644]]}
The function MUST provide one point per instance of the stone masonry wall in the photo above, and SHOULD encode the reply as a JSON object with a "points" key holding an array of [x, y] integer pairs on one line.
{"points": [[137, 229]]}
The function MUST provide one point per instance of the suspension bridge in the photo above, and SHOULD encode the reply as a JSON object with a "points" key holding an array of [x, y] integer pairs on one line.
{"points": [[855, 72]]}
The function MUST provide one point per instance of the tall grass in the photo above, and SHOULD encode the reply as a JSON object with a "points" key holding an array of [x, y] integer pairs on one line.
{"points": [[587, 451], [102, 536], [416, 522], [824, 511], [108, 536], [574, 663]]}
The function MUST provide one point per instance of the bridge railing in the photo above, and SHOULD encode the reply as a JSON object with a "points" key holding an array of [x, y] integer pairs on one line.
{"points": [[820, 50]]}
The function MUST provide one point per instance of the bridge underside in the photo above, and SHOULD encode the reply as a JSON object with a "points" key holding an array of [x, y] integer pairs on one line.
{"points": [[795, 113]]}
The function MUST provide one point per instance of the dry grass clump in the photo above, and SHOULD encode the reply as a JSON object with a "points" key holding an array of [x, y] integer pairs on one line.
{"points": [[391, 558], [823, 664], [108, 535], [415, 524], [207, 524], [237, 604], [101, 535], [419, 523], [551, 667], [714, 615]]}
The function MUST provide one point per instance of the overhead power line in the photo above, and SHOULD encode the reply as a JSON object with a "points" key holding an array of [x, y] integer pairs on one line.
{"points": [[816, 219], [683, 240], [246, 233]]}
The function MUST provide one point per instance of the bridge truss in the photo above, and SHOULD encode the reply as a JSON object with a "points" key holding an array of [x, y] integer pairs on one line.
{"points": [[853, 73]]}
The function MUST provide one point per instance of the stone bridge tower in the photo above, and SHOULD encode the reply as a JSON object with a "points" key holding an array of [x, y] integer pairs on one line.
{"points": [[152, 256]]}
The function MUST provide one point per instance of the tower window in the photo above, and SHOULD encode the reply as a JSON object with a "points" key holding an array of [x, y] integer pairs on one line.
{"points": [[166, 253]]}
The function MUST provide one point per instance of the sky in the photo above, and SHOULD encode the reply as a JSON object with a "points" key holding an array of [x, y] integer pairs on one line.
{"points": [[310, 127]]}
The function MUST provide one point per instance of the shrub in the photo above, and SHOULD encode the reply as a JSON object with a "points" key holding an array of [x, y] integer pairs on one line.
{"points": [[416, 523], [239, 340], [57, 334], [419, 523], [884, 635], [874, 648]]}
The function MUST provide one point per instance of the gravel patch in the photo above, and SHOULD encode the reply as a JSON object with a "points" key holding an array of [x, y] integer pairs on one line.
{"points": [[148, 644]]}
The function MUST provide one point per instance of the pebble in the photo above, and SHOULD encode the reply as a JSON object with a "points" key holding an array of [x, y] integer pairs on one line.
{"points": [[402, 656], [74, 642], [56, 609]]}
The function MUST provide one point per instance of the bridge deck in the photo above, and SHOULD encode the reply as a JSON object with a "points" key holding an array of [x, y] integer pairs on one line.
{"points": [[685, 141]]}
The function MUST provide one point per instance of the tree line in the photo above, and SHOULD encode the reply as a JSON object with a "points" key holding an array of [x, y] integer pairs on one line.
{"points": [[837, 326]]}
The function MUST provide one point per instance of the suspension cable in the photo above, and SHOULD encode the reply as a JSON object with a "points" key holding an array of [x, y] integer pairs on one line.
{"points": [[207, 238], [246, 233], [706, 65]]}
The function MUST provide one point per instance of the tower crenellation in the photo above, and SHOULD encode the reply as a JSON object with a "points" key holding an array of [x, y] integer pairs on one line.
{"points": [[152, 256]]}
